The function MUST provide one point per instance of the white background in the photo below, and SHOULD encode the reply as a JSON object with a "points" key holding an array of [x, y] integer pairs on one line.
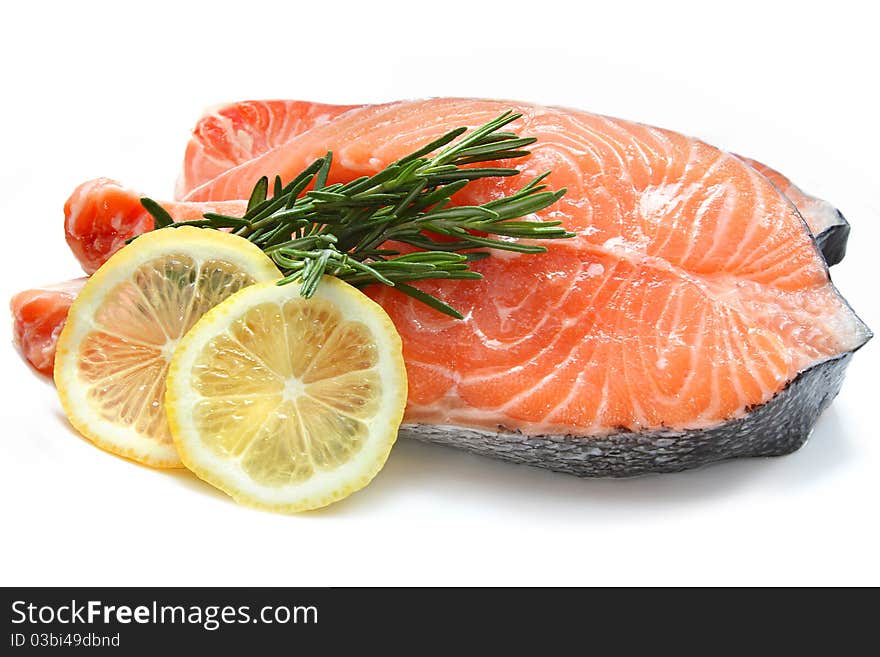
{"points": [[104, 89]]}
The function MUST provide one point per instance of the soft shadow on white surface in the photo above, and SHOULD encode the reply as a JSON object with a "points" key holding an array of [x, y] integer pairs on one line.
{"points": [[437, 471], [186, 479], [444, 471], [180, 476], [65, 424]]}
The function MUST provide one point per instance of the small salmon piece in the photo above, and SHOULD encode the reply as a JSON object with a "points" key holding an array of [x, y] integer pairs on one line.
{"points": [[101, 215], [238, 132], [38, 317]]}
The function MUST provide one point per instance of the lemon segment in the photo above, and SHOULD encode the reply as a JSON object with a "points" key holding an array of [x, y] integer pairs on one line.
{"points": [[288, 403], [121, 331]]}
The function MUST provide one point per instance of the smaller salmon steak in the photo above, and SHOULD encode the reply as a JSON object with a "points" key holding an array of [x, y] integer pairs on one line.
{"points": [[38, 316], [239, 132], [101, 215], [233, 134]]}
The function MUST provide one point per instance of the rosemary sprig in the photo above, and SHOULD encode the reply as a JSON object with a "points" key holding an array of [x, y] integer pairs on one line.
{"points": [[340, 229]]}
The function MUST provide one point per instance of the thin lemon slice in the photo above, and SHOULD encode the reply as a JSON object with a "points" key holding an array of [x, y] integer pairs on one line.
{"points": [[288, 403], [114, 351]]}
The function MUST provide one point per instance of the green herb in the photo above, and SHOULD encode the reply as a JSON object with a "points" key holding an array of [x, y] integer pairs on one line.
{"points": [[340, 229]]}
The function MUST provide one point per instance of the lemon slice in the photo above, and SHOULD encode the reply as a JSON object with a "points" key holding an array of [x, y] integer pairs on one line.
{"points": [[115, 348], [287, 403]]}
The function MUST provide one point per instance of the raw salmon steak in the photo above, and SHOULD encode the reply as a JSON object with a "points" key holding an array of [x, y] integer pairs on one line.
{"points": [[691, 319], [236, 133]]}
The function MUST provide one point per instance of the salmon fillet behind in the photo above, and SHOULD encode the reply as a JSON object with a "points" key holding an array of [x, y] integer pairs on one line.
{"points": [[237, 132], [234, 134]]}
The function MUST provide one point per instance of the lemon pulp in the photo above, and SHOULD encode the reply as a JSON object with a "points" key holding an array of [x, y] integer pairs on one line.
{"points": [[124, 360], [285, 402]]}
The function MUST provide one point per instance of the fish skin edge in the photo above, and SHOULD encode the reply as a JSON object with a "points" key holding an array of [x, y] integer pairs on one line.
{"points": [[778, 427], [832, 241]]}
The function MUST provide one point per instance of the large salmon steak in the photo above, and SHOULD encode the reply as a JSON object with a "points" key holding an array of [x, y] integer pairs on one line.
{"points": [[691, 319]]}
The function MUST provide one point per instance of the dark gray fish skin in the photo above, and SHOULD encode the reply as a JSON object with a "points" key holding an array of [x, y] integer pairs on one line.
{"points": [[832, 240], [777, 427]]}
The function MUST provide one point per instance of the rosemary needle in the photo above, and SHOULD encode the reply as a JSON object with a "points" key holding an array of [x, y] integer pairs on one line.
{"points": [[340, 229]]}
